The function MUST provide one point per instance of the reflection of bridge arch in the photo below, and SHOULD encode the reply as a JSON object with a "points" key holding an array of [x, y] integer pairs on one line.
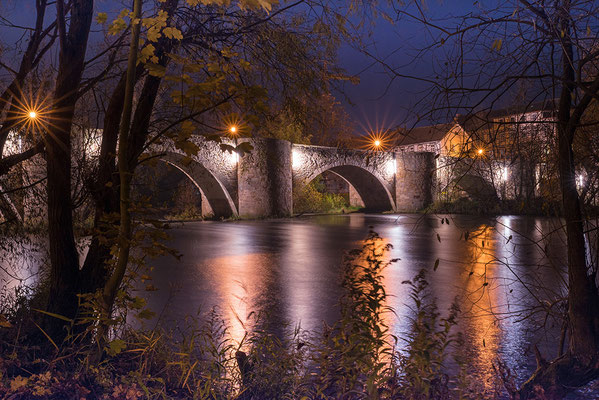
{"points": [[207, 182], [372, 190]]}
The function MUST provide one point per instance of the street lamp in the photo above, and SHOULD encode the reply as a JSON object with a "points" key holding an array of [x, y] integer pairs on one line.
{"points": [[480, 152], [233, 129], [376, 141], [32, 114]]}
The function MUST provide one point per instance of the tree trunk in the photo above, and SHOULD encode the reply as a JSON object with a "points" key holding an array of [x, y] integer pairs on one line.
{"points": [[64, 260], [582, 294], [105, 194], [94, 272], [124, 238], [580, 364]]}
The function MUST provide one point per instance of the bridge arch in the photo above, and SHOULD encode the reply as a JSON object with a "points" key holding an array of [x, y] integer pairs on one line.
{"points": [[373, 191], [477, 188], [206, 182]]}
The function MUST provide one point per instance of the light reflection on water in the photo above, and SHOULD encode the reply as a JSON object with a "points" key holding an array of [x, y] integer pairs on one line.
{"points": [[290, 271]]}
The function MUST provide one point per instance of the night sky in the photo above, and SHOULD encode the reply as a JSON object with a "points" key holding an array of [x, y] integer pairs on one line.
{"points": [[380, 101], [377, 102]]}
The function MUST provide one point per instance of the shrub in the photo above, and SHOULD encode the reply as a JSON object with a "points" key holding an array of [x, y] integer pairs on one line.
{"points": [[313, 198]]}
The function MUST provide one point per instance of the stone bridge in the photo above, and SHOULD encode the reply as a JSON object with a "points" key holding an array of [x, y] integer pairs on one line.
{"points": [[261, 183], [486, 180]]}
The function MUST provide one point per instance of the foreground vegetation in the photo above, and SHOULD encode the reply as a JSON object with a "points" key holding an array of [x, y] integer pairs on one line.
{"points": [[357, 357]]}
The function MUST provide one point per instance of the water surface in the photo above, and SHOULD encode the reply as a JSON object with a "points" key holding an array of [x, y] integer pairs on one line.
{"points": [[504, 273], [503, 276]]}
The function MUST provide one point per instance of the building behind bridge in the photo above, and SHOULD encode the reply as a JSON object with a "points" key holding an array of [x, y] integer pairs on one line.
{"points": [[512, 148], [500, 134]]}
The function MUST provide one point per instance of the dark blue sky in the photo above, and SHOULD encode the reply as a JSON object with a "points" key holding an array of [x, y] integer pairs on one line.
{"points": [[378, 101]]}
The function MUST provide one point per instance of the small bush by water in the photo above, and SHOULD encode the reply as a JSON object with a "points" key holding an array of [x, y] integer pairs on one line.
{"points": [[313, 198], [358, 357]]}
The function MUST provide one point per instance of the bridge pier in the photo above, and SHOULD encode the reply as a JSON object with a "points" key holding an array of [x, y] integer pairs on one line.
{"points": [[265, 179], [414, 181]]}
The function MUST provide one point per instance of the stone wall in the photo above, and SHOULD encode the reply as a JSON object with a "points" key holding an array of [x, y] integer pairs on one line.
{"points": [[265, 179], [354, 198], [484, 179], [414, 180]]}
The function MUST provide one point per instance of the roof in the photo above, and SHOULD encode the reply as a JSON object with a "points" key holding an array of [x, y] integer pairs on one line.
{"points": [[547, 105], [470, 123], [423, 134]]}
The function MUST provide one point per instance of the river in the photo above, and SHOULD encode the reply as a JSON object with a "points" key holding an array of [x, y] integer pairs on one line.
{"points": [[503, 272], [290, 271]]}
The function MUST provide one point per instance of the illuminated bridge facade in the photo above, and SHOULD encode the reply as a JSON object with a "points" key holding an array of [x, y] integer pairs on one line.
{"points": [[261, 183]]}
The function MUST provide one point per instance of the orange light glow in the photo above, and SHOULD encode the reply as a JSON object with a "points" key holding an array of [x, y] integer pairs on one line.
{"points": [[233, 126], [34, 113], [376, 141], [480, 152]]}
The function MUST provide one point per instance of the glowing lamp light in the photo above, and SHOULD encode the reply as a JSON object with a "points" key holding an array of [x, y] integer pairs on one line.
{"points": [[233, 129], [579, 181], [32, 114], [504, 174], [296, 159], [480, 152], [391, 167], [377, 143]]}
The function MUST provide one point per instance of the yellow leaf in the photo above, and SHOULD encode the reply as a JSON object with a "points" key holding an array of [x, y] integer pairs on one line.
{"points": [[187, 128], [117, 26], [4, 323], [147, 53], [17, 383], [156, 70], [116, 346], [101, 18], [172, 33], [497, 44], [153, 34]]}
